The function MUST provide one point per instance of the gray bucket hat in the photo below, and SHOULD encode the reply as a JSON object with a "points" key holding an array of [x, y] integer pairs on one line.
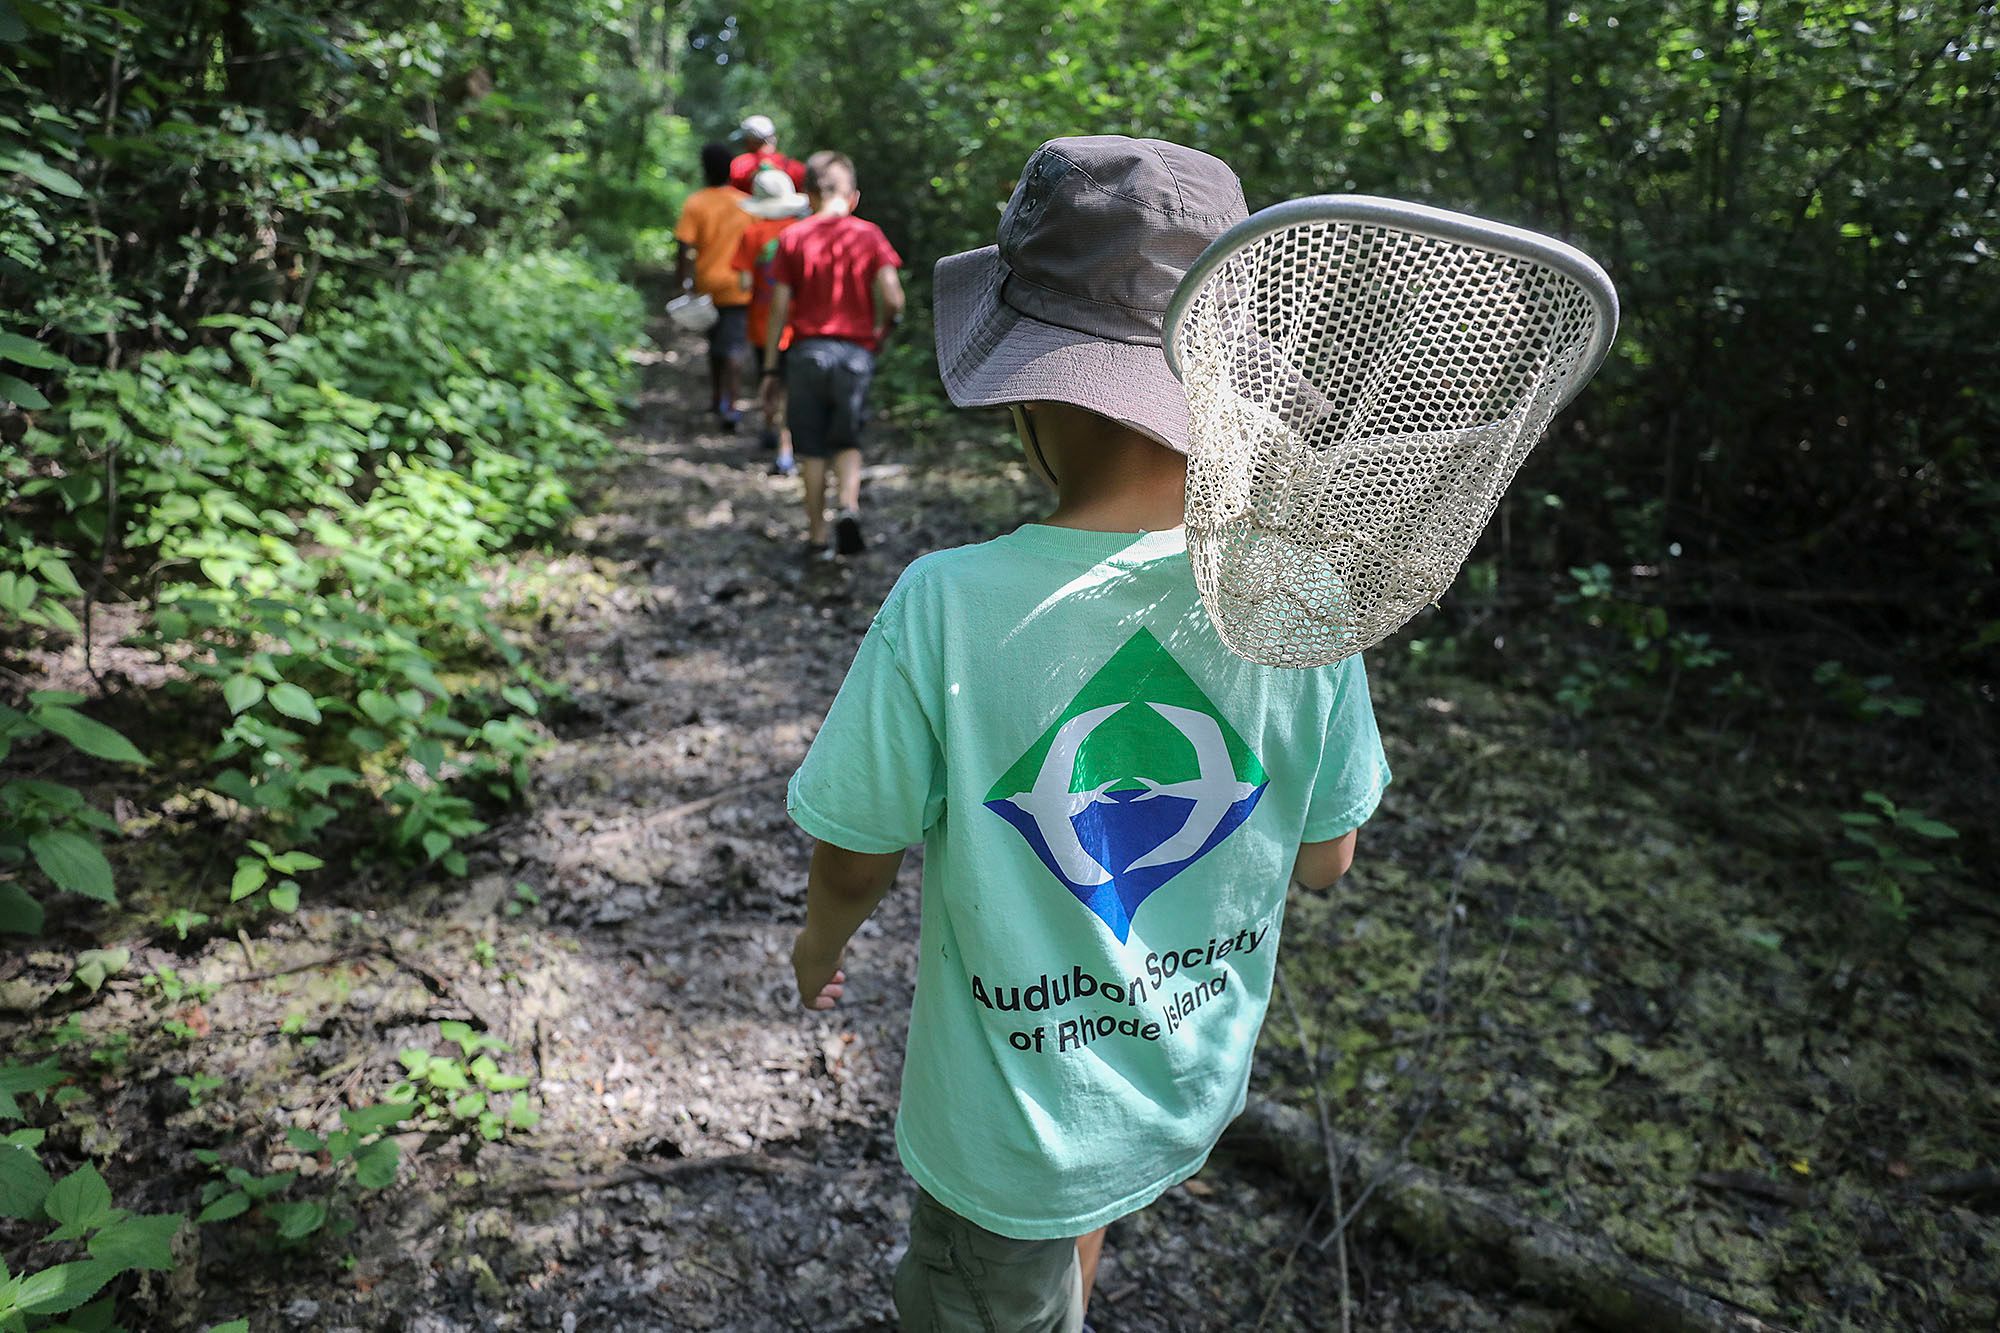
{"points": [[1069, 306]]}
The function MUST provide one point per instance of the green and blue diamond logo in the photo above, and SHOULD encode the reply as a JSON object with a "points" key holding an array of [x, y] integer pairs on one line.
{"points": [[1138, 778]]}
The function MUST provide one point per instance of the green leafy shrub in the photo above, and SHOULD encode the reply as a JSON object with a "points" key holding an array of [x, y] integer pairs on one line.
{"points": [[316, 507], [1889, 865], [50, 823], [1867, 697], [93, 1241], [1632, 644], [307, 146], [468, 1090], [360, 1153]]}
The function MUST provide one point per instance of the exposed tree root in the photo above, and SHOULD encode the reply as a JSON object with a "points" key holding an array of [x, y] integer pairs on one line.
{"points": [[1981, 1184], [1442, 1217]]}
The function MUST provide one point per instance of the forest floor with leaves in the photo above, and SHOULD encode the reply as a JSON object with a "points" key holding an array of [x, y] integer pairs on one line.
{"points": [[1599, 970]]}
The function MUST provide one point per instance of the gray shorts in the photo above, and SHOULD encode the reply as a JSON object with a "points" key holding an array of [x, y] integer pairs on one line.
{"points": [[958, 1277], [730, 333], [826, 395]]}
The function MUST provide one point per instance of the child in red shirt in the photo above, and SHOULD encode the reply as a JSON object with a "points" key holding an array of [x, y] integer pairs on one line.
{"points": [[834, 281]]}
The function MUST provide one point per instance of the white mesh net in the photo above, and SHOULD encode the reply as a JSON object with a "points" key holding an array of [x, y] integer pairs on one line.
{"points": [[1359, 397]]}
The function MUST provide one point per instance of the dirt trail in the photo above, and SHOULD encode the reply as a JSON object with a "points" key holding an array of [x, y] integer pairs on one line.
{"points": [[709, 1157]]}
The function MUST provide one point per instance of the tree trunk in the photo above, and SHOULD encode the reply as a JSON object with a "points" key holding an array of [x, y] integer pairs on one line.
{"points": [[1441, 1217]]}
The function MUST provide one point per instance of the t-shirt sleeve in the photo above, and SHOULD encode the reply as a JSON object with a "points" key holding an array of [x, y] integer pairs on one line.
{"points": [[885, 255], [689, 227], [874, 778], [1353, 770], [745, 257], [784, 264]]}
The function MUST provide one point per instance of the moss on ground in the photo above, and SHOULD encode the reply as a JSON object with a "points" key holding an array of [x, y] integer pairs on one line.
{"points": [[1661, 1019]]}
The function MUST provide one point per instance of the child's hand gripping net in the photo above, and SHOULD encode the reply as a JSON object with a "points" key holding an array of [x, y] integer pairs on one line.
{"points": [[1364, 377]]}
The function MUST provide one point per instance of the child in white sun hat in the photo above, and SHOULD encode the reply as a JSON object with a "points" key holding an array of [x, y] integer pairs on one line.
{"points": [[773, 206]]}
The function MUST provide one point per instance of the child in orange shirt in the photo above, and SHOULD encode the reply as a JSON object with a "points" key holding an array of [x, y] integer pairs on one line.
{"points": [[709, 227]]}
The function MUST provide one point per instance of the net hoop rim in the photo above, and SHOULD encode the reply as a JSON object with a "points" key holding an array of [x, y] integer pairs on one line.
{"points": [[1423, 220]]}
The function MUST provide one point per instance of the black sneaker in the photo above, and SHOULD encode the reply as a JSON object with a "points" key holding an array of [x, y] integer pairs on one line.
{"points": [[847, 538]]}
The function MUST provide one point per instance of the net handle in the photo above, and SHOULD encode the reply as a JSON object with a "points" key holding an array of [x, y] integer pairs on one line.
{"points": [[1422, 220]]}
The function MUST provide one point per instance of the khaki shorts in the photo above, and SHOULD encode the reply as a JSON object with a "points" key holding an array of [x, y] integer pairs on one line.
{"points": [[961, 1278]]}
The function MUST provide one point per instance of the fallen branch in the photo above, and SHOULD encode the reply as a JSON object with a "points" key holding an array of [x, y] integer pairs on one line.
{"points": [[1763, 1187], [634, 1172], [1977, 1184], [439, 985], [310, 964], [1331, 1144], [1444, 1218], [673, 813], [682, 811]]}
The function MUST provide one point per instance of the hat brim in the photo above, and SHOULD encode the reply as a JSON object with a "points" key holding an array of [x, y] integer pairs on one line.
{"points": [[782, 206], [990, 354]]}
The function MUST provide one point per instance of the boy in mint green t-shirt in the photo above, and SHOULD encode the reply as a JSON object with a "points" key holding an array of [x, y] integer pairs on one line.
{"points": [[1111, 804]]}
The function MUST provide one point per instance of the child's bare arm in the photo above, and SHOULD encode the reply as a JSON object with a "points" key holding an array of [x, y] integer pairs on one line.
{"points": [[771, 393], [888, 291], [841, 891], [1321, 863]]}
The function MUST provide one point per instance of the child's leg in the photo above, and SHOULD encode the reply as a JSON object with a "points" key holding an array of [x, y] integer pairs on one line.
{"points": [[807, 414], [847, 538], [718, 342], [848, 394], [1088, 1250], [781, 425], [847, 476], [726, 354], [958, 1276], [729, 384], [813, 470], [849, 381]]}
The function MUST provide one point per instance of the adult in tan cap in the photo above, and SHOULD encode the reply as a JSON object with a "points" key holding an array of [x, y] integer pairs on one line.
{"points": [[760, 149]]}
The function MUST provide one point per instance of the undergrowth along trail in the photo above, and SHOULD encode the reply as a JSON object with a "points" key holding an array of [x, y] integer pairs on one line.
{"points": [[1565, 969], [696, 1152]]}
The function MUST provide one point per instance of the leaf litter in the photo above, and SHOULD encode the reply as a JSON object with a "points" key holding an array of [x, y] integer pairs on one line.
{"points": [[1553, 973]]}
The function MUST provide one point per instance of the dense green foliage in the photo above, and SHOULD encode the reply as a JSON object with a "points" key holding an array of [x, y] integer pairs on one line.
{"points": [[300, 325], [308, 318], [245, 394], [311, 509], [165, 162], [1796, 199]]}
